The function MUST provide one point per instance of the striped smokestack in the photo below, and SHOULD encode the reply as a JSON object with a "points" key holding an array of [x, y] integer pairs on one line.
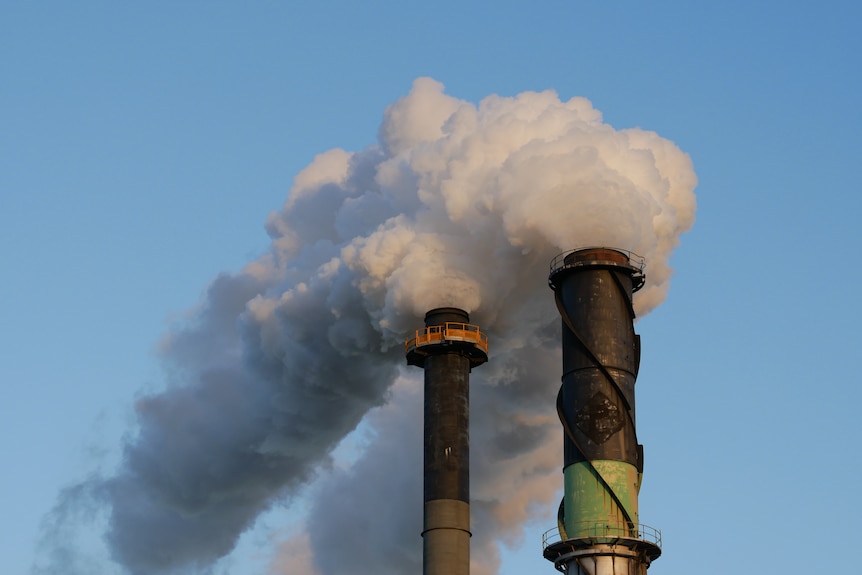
{"points": [[447, 348]]}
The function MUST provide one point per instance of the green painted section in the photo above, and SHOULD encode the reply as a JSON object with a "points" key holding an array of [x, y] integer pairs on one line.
{"points": [[589, 509]]}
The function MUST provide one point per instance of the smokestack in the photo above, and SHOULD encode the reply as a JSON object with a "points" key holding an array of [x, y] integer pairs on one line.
{"points": [[284, 358], [447, 348], [598, 530]]}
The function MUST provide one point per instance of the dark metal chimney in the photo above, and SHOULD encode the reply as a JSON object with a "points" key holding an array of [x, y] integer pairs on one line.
{"points": [[447, 348], [598, 530]]}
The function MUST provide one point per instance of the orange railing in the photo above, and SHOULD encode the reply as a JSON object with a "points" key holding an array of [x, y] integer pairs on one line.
{"points": [[451, 331]]}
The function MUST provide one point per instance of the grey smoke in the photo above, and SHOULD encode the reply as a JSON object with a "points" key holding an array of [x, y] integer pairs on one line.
{"points": [[456, 205]]}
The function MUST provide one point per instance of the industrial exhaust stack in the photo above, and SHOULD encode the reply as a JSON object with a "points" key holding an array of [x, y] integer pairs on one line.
{"points": [[598, 530], [447, 348]]}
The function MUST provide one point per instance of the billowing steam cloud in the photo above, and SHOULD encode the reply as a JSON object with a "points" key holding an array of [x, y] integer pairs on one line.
{"points": [[457, 205]]}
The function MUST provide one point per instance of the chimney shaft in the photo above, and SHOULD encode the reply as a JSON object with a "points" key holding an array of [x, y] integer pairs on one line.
{"points": [[598, 529], [447, 348]]}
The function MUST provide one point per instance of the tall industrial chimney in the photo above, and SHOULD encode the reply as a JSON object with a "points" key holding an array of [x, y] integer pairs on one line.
{"points": [[447, 348], [598, 530]]}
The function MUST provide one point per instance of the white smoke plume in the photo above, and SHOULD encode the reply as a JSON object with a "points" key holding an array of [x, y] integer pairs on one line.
{"points": [[458, 205]]}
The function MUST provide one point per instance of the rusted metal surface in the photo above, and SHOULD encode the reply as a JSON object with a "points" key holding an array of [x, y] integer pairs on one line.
{"points": [[447, 420]]}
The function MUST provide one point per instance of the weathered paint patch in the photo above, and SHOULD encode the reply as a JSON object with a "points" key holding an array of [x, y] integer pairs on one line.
{"points": [[589, 505]]}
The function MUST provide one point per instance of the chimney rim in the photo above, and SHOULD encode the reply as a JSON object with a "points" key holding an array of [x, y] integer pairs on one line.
{"points": [[601, 257]]}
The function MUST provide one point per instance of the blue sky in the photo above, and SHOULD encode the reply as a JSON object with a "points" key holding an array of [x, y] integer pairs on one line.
{"points": [[142, 148]]}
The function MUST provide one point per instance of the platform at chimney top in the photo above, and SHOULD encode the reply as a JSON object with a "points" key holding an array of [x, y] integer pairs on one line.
{"points": [[454, 337], [602, 257]]}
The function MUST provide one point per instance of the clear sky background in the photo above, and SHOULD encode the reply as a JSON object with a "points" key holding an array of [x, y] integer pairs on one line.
{"points": [[142, 147]]}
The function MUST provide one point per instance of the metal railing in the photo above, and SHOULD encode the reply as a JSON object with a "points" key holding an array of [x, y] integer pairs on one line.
{"points": [[559, 262], [603, 256], [451, 331], [601, 532]]}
